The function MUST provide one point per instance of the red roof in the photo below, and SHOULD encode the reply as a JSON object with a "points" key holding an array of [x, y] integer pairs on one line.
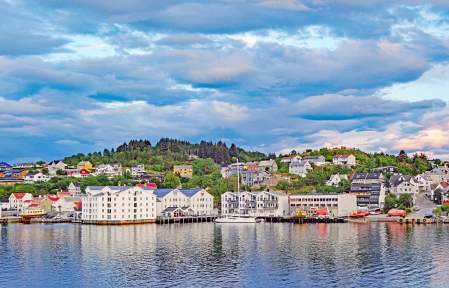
{"points": [[53, 198], [27, 201], [34, 205], [63, 193], [19, 195], [444, 184], [147, 185], [433, 186], [253, 165], [289, 157], [342, 155], [39, 198]]}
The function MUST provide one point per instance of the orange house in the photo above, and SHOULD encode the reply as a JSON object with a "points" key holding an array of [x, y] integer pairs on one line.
{"points": [[18, 173], [2, 174], [253, 167]]}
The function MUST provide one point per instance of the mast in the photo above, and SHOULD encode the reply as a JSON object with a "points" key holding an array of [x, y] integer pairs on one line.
{"points": [[238, 179]]}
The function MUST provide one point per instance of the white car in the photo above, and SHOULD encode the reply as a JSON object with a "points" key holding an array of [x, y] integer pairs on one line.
{"points": [[57, 217], [416, 208]]}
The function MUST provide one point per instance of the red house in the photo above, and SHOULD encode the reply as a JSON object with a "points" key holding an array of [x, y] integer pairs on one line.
{"points": [[78, 173]]}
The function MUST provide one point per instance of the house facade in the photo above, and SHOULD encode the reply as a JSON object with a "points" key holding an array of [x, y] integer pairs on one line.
{"points": [[270, 164], [290, 159], [337, 205], [401, 184], [368, 178], [5, 166], [16, 200], [66, 204], [347, 160], [183, 202], [109, 170], [119, 204], [318, 160], [75, 188], [41, 203], [183, 170], [138, 169], [369, 194], [35, 177], [26, 165], [16, 173], [300, 168], [84, 165], [257, 204], [78, 173], [252, 177], [54, 166], [335, 179]]}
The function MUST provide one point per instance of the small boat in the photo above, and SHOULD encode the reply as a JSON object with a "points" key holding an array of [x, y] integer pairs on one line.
{"points": [[396, 212], [33, 213], [236, 219], [357, 214]]}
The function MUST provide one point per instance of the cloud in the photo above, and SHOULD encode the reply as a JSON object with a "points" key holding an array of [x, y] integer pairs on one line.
{"points": [[183, 40], [292, 5], [26, 106], [67, 142]]}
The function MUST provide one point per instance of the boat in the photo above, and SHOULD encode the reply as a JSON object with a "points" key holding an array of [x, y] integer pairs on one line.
{"points": [[357, 214], [33, 213], [236, 219], [322, 212], [300, 214], [396, 212]]}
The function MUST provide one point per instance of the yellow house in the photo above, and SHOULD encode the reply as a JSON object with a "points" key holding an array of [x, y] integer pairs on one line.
{"points": [[42, 203], [249, 164], [184, 171], [84, 165]]}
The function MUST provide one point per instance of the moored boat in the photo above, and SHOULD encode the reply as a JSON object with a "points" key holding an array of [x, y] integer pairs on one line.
{"points": [[33, 213], [236, 219]]}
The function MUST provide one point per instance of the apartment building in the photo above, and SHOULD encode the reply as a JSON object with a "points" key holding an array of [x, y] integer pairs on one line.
{"points": [[248, 203], [338, 205]]}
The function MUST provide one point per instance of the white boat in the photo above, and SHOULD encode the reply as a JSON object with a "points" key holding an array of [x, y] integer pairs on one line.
{"points": [[234, 219], [33, 213]]}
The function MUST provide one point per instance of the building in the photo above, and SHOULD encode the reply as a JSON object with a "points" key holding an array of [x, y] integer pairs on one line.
{"points": [[335, 179], [109, 170], [6, 181], [4, 204], [54, 166], [16, 200], [387, 169], [5, 166], [84, 165], [338, 205], [152, 185], [17, 173], [252, 163], [368, 178], [437, 175], [183, 202], [78, 173], [268, 165], [118, 205], [61, 194], [252, 177], [369, 194], [75, 188], [184, 171], [238, 165], [401, 184], [66, 204], [347, 160], [231, 171], [423, 182], [41, 203], [300, 168], [318, 160], [35, 177], [138, 169], [290, 159], [26, 165], [257, 204], [253, 167]]}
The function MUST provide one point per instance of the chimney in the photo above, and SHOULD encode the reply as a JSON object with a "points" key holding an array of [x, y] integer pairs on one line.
{"points": [[232, 190]]}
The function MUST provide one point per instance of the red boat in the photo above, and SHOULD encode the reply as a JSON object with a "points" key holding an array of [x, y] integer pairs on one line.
{"points": [[395, 212], [357, 214], [322, 212]]}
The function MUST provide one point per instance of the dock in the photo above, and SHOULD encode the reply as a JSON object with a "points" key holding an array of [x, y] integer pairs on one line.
{"points": [[186, 219]]}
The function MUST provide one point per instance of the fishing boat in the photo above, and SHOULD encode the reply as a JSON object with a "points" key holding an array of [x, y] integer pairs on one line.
{"points": [[396, 212], [33, 213], [236, 219]]}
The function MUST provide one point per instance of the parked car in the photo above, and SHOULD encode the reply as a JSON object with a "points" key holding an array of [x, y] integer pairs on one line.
{"points": [[429, 216], [416, 208], [16, 214], [70, 215], [80, 215], [375, 211], [57, 217]]}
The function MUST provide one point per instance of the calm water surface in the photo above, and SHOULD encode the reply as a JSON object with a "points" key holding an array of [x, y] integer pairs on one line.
{"points": [[225, 255]]}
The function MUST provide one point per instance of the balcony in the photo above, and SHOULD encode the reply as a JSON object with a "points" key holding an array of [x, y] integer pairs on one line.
{"points": [[270, 201]]}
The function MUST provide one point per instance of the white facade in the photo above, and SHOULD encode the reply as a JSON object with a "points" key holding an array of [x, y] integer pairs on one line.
{"points": [[318, 160], [16, 200], [301, 168], [404, 187], [335, 179], [291, 159], [35, 177], [67, 203], [265, 203], [338, 205], [109, 170], [75, 188], [55, 166], [119, 203], [199, 200], [344, 160], [423, 182]]}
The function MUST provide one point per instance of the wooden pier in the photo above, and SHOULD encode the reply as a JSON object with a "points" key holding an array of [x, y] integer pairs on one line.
{"points": [[186, 219]]}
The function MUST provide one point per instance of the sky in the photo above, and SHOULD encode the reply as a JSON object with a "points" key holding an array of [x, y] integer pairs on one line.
{"points": [[78, 76]]}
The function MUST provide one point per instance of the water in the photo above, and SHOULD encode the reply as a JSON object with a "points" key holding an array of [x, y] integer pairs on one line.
{"points": [[225, 255]]}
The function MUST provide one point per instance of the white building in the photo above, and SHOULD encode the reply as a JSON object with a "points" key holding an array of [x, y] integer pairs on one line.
{"points": [[423, 182], [401, 184], [338, 205], [119, 204], [16, 200], [318, 160], [137, 169], [265, 203], [347, 160], [67, 203], [35, 177], [291, 159], [183, 202], [4, 204], [109, 170], [54, 166], [300, 168], [75, 188], [335, 179]]}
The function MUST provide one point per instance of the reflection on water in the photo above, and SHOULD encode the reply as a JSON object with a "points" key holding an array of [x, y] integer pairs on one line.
{"points": [[226, 255]]}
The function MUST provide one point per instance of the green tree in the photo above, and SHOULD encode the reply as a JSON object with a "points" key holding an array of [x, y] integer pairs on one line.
{"points": [[204, 166], [157, 168], [390, 202], [344, 186], [406, 199], [45, 171], [438, 195], [171, 180], [61, 172]]}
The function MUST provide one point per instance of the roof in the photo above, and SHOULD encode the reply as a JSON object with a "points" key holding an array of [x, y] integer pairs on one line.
{"points": [[53, 198], [7, 201], [27, 201], [302, 163], [30, 163], [34, 205], [312, 157], [16, 170], [276, 193], [31, 174], [77, 184], [39, 198], [54, 162], [4, 164], [71, 198], [289, 157], [83, 163], [153, 185], [63, 193], [170, 209], [266, 163], [162, 192], [190, 192], [181, 166], [19, 195], [342, 156], [433, 186]]}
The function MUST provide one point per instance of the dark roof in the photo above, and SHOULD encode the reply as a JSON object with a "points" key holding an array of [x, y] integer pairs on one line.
{"points": [[162, 192], [31, 174], [4, 164], [54, 162], [302, 163], [359, 176], [170, 209], [77, 184], [4, 201], [312, 157], [190, 192], [373, 175]]}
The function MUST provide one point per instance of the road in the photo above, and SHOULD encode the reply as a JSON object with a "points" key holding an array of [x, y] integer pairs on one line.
{"points": [[426, 206]]}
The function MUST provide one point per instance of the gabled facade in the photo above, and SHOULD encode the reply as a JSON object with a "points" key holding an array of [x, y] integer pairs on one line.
{"points": [[190, 201], [347, 160], [16, 200], [270, 164], [43, 203], [290, 159], [184, 171], [75, 188], [252, 177], [5, 166], [423, 182], [109, 170], [318, 160], [401, 184], [300, 168], [84, 165], [54, 166], [137, 169], [257, 204], [66, 204], [35, 177], [335, 179]]}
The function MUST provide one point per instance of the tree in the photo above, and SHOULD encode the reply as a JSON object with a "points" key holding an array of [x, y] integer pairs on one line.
{"points": [[40, 162], [406, 199], [402, 156], [45, 171], [171, 180], [156, 181], [106, 153], [61, 172], [203, 166], [390, 202], [438, 195], [233, 151], [344, 186]]}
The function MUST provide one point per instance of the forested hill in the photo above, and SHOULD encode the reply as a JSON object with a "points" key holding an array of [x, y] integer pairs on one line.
{"points": [[166, 151]]}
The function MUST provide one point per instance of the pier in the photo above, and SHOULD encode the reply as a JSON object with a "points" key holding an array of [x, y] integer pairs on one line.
{"points": [[186, 219]]}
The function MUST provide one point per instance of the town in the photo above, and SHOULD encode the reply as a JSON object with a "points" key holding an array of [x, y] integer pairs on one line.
{"points": [[275, 187]]}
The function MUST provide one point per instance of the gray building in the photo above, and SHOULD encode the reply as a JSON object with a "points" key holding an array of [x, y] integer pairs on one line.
{"points": [[138, 169], [318, 160]]}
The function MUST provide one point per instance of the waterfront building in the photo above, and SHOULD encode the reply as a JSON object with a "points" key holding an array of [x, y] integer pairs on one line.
{"points": [[66, 204], [338, 205], [335, 179], [184, 171], [118, 204], [75, 188], [423, 182], [401, 184], [369, 194], [41, 203], [347, 160], [300, 168], [16, 200], [4, 204], [248, 203], [35, 177], [190, 202]]}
